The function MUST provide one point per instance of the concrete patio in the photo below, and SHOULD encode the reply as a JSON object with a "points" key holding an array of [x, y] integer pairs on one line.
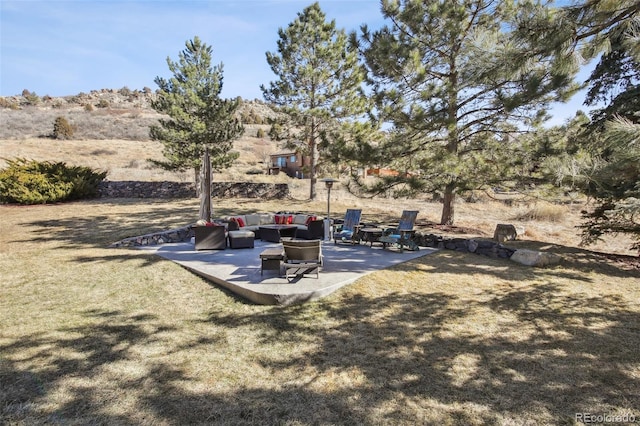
{"points": [[238, 270]]}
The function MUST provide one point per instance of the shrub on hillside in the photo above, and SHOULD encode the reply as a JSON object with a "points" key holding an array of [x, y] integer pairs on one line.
{"points": [[30, 98], [6, 103], [544, 212], [32, 182], [255, 171], [260, 133], [62, 129]]}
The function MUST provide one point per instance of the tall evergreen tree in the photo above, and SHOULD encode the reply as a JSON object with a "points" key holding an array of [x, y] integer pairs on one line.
{"points": [[455, 85], [318, 86], [198, 117], [605, 164], [615, 183], [615, 134]]}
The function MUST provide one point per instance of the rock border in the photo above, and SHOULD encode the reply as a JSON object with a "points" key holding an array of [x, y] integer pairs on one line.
{"points": [[486, 248], [176, 235]]}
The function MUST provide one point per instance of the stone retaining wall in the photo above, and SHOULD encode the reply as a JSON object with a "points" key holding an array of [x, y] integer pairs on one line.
{"points": [[481, 247], [166, 189], [172, 236]]}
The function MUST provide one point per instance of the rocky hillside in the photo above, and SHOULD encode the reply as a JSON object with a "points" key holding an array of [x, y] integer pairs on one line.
{"points": [[101, 114], [111, 132]]}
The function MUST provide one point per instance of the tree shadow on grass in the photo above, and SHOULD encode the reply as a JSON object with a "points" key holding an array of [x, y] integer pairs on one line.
{"points": [[539, 355], [555, 355], [585, 260], [101, 230], [576, 264]]}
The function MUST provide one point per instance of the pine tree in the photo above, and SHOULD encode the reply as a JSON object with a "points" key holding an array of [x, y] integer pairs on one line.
{"points": [[318, 86], [615, 135], [615, 184], [198, 117], [455, 85]]}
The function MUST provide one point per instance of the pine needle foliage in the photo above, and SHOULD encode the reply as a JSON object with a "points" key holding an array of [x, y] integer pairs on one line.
{"points": [[615, 184], [456, 84], [318, 87], [198, 117]]}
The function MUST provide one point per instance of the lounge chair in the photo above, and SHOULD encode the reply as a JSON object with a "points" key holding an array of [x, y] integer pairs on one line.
{"points": [[302, 257], [401, 236], [348, 232]]}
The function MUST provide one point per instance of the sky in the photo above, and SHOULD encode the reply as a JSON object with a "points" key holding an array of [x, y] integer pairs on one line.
{"points": [[62, 48]]}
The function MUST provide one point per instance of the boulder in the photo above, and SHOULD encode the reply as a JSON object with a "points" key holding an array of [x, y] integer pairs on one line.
{"points": [[535, 258], [505, 232]]}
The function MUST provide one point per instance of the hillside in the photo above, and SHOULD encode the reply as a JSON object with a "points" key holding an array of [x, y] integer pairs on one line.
{"points": [[115, 121]]}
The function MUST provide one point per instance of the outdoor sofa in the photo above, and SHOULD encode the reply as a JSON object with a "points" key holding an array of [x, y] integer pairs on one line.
{"points": [[252, 222]]}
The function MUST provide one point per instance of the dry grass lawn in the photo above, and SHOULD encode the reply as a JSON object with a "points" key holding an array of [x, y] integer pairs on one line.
{"points": [[91, 335]]}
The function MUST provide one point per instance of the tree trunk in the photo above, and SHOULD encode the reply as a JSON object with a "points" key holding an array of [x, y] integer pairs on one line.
{"points": [[448, 205], [452, 143], [313, 160]]}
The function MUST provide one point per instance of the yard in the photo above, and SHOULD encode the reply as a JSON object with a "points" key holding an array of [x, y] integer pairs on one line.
{"points": [[92, 335]]}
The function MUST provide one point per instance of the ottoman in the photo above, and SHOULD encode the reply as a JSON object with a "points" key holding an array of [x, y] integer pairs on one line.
{"points": [[241, 239], [209, 238]]}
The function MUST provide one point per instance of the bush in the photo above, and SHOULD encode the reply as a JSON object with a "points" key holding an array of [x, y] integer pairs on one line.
{"points": [[260, 133], [255, 171], [6, 103], [544, 212], [33, 182], [62, 129]]}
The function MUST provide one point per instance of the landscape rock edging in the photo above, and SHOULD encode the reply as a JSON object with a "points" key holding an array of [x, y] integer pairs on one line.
{"points": [[482, 247], [177, 235]]}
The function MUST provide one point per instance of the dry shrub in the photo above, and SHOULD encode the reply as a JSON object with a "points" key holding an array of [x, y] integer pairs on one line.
{"points": [[544, 212], [62, 129]]}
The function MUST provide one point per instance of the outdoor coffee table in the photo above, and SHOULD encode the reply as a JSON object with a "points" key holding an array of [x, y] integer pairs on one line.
{"points": [[274, 233], [370, 235], [402, 240], [271, 259]]}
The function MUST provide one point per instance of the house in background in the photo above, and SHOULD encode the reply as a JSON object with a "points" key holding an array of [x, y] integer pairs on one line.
{"points": [[293, 164], [378, 172]]}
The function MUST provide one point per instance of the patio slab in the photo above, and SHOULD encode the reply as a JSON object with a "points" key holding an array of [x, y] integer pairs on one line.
{"points": [[238, 270]]}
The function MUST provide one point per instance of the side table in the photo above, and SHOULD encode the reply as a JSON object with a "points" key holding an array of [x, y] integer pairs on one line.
{"points": [[370, 235], [271, 259]]}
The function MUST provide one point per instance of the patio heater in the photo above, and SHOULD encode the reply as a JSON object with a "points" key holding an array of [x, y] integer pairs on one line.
{"points": [[328, 231]]}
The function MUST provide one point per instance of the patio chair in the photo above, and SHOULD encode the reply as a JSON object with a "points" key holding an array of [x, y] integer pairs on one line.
{"points": [[302, 257], [348, 232], [314, 231], [401, 236]]}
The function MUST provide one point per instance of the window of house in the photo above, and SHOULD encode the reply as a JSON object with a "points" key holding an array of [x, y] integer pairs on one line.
{"points": [[292, 159], [281, 161]]}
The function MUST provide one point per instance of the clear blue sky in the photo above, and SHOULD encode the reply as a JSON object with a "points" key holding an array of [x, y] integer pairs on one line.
{"points": [[62, 48]]}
